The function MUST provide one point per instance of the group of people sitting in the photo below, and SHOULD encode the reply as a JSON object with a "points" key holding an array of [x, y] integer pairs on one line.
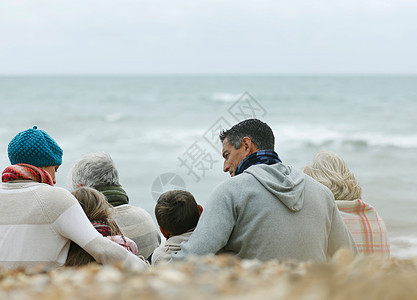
{"points": [[266, 210]]}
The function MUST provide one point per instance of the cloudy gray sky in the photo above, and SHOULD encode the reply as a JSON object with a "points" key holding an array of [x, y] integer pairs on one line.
{"points": [[228, 36]]}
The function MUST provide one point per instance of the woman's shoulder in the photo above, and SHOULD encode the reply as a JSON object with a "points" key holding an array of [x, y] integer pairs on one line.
{"points": [[54, 200], [53, 191]]}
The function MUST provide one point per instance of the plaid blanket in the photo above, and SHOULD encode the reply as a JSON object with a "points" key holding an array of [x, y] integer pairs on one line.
{"points": [[366, 226]]}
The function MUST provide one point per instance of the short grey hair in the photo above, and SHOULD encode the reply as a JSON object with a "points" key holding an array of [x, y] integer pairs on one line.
{"points": [[259, 132], [94, 170]]}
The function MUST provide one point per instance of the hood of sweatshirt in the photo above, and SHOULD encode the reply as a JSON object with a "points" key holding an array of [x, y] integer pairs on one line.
{"points": [[284, 182]]}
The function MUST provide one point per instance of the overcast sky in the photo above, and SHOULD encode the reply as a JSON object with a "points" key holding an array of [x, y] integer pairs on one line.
{"points": [[227, 36]]}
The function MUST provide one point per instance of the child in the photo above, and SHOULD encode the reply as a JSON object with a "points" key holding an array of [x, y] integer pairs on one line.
{"points": [[177, 214], [98, 211]]}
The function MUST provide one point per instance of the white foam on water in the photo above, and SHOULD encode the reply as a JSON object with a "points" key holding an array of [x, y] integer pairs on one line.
{"points": [[307, 134], [403, 247], [225, 97], [383, 140], [318, 135]]}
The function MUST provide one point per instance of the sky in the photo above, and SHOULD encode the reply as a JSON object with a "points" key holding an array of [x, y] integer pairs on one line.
{"points": [[208, 37]]}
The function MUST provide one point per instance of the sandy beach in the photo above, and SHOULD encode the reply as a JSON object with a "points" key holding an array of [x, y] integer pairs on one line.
{"points": [[222, 277], [158, 86]]}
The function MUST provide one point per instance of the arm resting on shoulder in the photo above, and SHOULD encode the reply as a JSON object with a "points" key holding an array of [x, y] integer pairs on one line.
{"points": [[74, 225]]}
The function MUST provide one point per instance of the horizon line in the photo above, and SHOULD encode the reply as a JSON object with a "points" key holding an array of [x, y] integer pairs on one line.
{"points": [[202, 74]]}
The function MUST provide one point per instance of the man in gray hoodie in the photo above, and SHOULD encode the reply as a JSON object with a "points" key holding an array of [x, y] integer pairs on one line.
{"points": [[267, 210]]}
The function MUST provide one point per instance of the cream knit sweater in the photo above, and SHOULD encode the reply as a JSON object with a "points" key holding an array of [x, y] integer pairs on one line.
{"points": [[37, 223]]}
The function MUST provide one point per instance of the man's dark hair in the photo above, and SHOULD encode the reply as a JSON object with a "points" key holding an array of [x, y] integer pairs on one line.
{"points": [[259, 132], [177, 212]]}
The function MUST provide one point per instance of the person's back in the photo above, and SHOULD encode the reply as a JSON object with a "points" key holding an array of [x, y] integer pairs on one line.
{"points": [[97, 170], [363, 221], [366, 226], [98, 211], [276, 213], [31, 214], [266, 210], [137, 224], [177, 214], [39, 220]]}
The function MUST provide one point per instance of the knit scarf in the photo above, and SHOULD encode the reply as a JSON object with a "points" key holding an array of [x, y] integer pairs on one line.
{"points": [[26, 172], [267, 157], [102, 226], [115, 194]]}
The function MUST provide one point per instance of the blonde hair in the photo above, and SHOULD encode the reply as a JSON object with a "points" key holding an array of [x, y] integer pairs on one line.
{"points": [[330, 169], [96, 207]]}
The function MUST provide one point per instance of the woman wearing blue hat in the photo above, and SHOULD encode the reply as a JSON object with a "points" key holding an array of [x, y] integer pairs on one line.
{"points": [[38, 221]]}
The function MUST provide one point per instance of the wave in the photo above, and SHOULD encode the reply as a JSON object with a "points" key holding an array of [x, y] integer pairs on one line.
{"points": [[293, 136], [225, 97], [296, 137], [322, 136]]}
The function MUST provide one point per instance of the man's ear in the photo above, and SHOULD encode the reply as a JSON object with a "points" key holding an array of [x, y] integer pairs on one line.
{"points": [[200, 209], [166, 233], [248, 146]]}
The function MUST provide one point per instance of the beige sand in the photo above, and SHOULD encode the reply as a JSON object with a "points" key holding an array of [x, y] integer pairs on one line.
{"points": [[223, 277]]}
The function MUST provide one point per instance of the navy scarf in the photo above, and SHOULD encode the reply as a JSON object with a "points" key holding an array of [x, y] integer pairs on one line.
{"points": [[267, 157]]}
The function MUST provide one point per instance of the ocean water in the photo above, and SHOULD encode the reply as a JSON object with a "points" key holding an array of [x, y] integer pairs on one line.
{"points": [[161, 130]]}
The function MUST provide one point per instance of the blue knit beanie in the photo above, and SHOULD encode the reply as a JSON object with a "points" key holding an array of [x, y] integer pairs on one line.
{"points": [[34, 147]]}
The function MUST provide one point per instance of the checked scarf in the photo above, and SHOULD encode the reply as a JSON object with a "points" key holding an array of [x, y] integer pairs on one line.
{"points": [[102, 226], [26, 172], [267, 157]]}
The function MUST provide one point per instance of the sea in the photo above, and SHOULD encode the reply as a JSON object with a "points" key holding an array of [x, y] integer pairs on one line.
{"points": [[162, 130]]}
